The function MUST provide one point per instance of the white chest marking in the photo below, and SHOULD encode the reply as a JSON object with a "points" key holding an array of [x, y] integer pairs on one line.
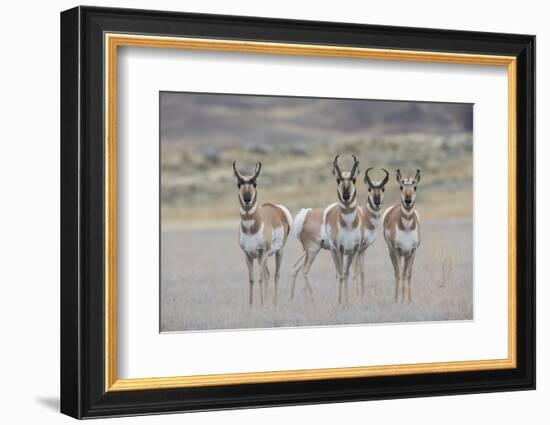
{"points": [[247, 224], [407, 223], [348, 236], [369, 235], [349, 218], [406, 240], [252, 243]]}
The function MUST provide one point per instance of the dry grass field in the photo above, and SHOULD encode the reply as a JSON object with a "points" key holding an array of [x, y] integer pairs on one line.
{"points": [[205, 283]]}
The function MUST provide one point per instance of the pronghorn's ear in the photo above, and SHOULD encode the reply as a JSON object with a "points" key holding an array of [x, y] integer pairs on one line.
{"points": [[355, 169], [398, 175], [417, 177]]}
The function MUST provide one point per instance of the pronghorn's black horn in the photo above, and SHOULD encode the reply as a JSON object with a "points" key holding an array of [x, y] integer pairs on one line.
{"points": [[355, 169], [237, 174], [385, 179], [335, 168], [257, 170], [417, 176], [367, 178]]}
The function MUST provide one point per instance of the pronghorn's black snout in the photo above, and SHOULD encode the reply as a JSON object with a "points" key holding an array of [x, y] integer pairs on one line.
{"points": [[346, 195], [247, 197]]}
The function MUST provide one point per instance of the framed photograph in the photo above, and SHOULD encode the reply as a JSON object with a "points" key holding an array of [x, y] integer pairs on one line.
{"points": [[261, 212]]}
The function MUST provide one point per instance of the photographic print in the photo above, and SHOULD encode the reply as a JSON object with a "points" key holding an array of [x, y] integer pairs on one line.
{"points": [[284, 211]]}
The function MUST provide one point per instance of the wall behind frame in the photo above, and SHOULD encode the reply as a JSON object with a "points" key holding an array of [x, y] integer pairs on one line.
{"points": [[29, 217]]}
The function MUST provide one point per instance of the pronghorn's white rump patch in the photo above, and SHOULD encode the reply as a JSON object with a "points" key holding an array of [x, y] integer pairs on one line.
{"points": [[252, 243], [299, 221], [287, 214], [277, 239]]}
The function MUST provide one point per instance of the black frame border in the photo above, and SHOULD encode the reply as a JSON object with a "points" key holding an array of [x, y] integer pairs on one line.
{"points": [[82, 205]]}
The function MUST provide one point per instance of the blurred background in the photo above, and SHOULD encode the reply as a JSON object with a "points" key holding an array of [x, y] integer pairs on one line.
{"points": [[204, 279], [296, 140]]}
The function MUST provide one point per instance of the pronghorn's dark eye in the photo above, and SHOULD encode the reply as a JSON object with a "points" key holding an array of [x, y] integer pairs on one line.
{"points": [[415, 188], [338, 181], [254, 184], [400, 187], [383, 190], [369, 189], [353, 180]]}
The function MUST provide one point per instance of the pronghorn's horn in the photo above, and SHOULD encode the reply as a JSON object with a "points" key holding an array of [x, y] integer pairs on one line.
{"points": [[335, 168], [417, 176], [398, 174], [367, 178], [257, 170], [237, 174], [385, 179], [355, 169]]}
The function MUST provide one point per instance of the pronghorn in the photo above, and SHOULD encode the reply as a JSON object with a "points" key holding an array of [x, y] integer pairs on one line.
{"points": [[370, 225], [402, 234], [310, 229], [343, 223], [263, 231]]}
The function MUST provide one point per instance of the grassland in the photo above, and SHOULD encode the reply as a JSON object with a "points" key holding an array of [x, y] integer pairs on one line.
{"points": [[203, 273]]}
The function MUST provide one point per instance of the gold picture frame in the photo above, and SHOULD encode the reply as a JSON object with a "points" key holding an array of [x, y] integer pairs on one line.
{"points": [[114, 41]]}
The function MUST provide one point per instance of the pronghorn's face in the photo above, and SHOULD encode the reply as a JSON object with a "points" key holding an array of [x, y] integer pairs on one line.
{"points": [[247, 192], [246, 186], [408, 188], [376, 190], [347, 192]]}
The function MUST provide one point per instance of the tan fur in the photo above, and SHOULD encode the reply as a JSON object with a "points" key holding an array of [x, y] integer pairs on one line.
{"points": [[403, 240], [312, 229], [311, 232], [255, 245]]}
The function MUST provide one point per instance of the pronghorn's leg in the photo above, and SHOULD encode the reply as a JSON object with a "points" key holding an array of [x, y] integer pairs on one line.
{"points": [[337, 265], [338, 258], [262, 260], [278, 261], [361, 260], [308, 262], [356, 274], [250, 265], [267, 276], [297, 267], [407, 274], [404, 272], [396, 271], [347, 267]]}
